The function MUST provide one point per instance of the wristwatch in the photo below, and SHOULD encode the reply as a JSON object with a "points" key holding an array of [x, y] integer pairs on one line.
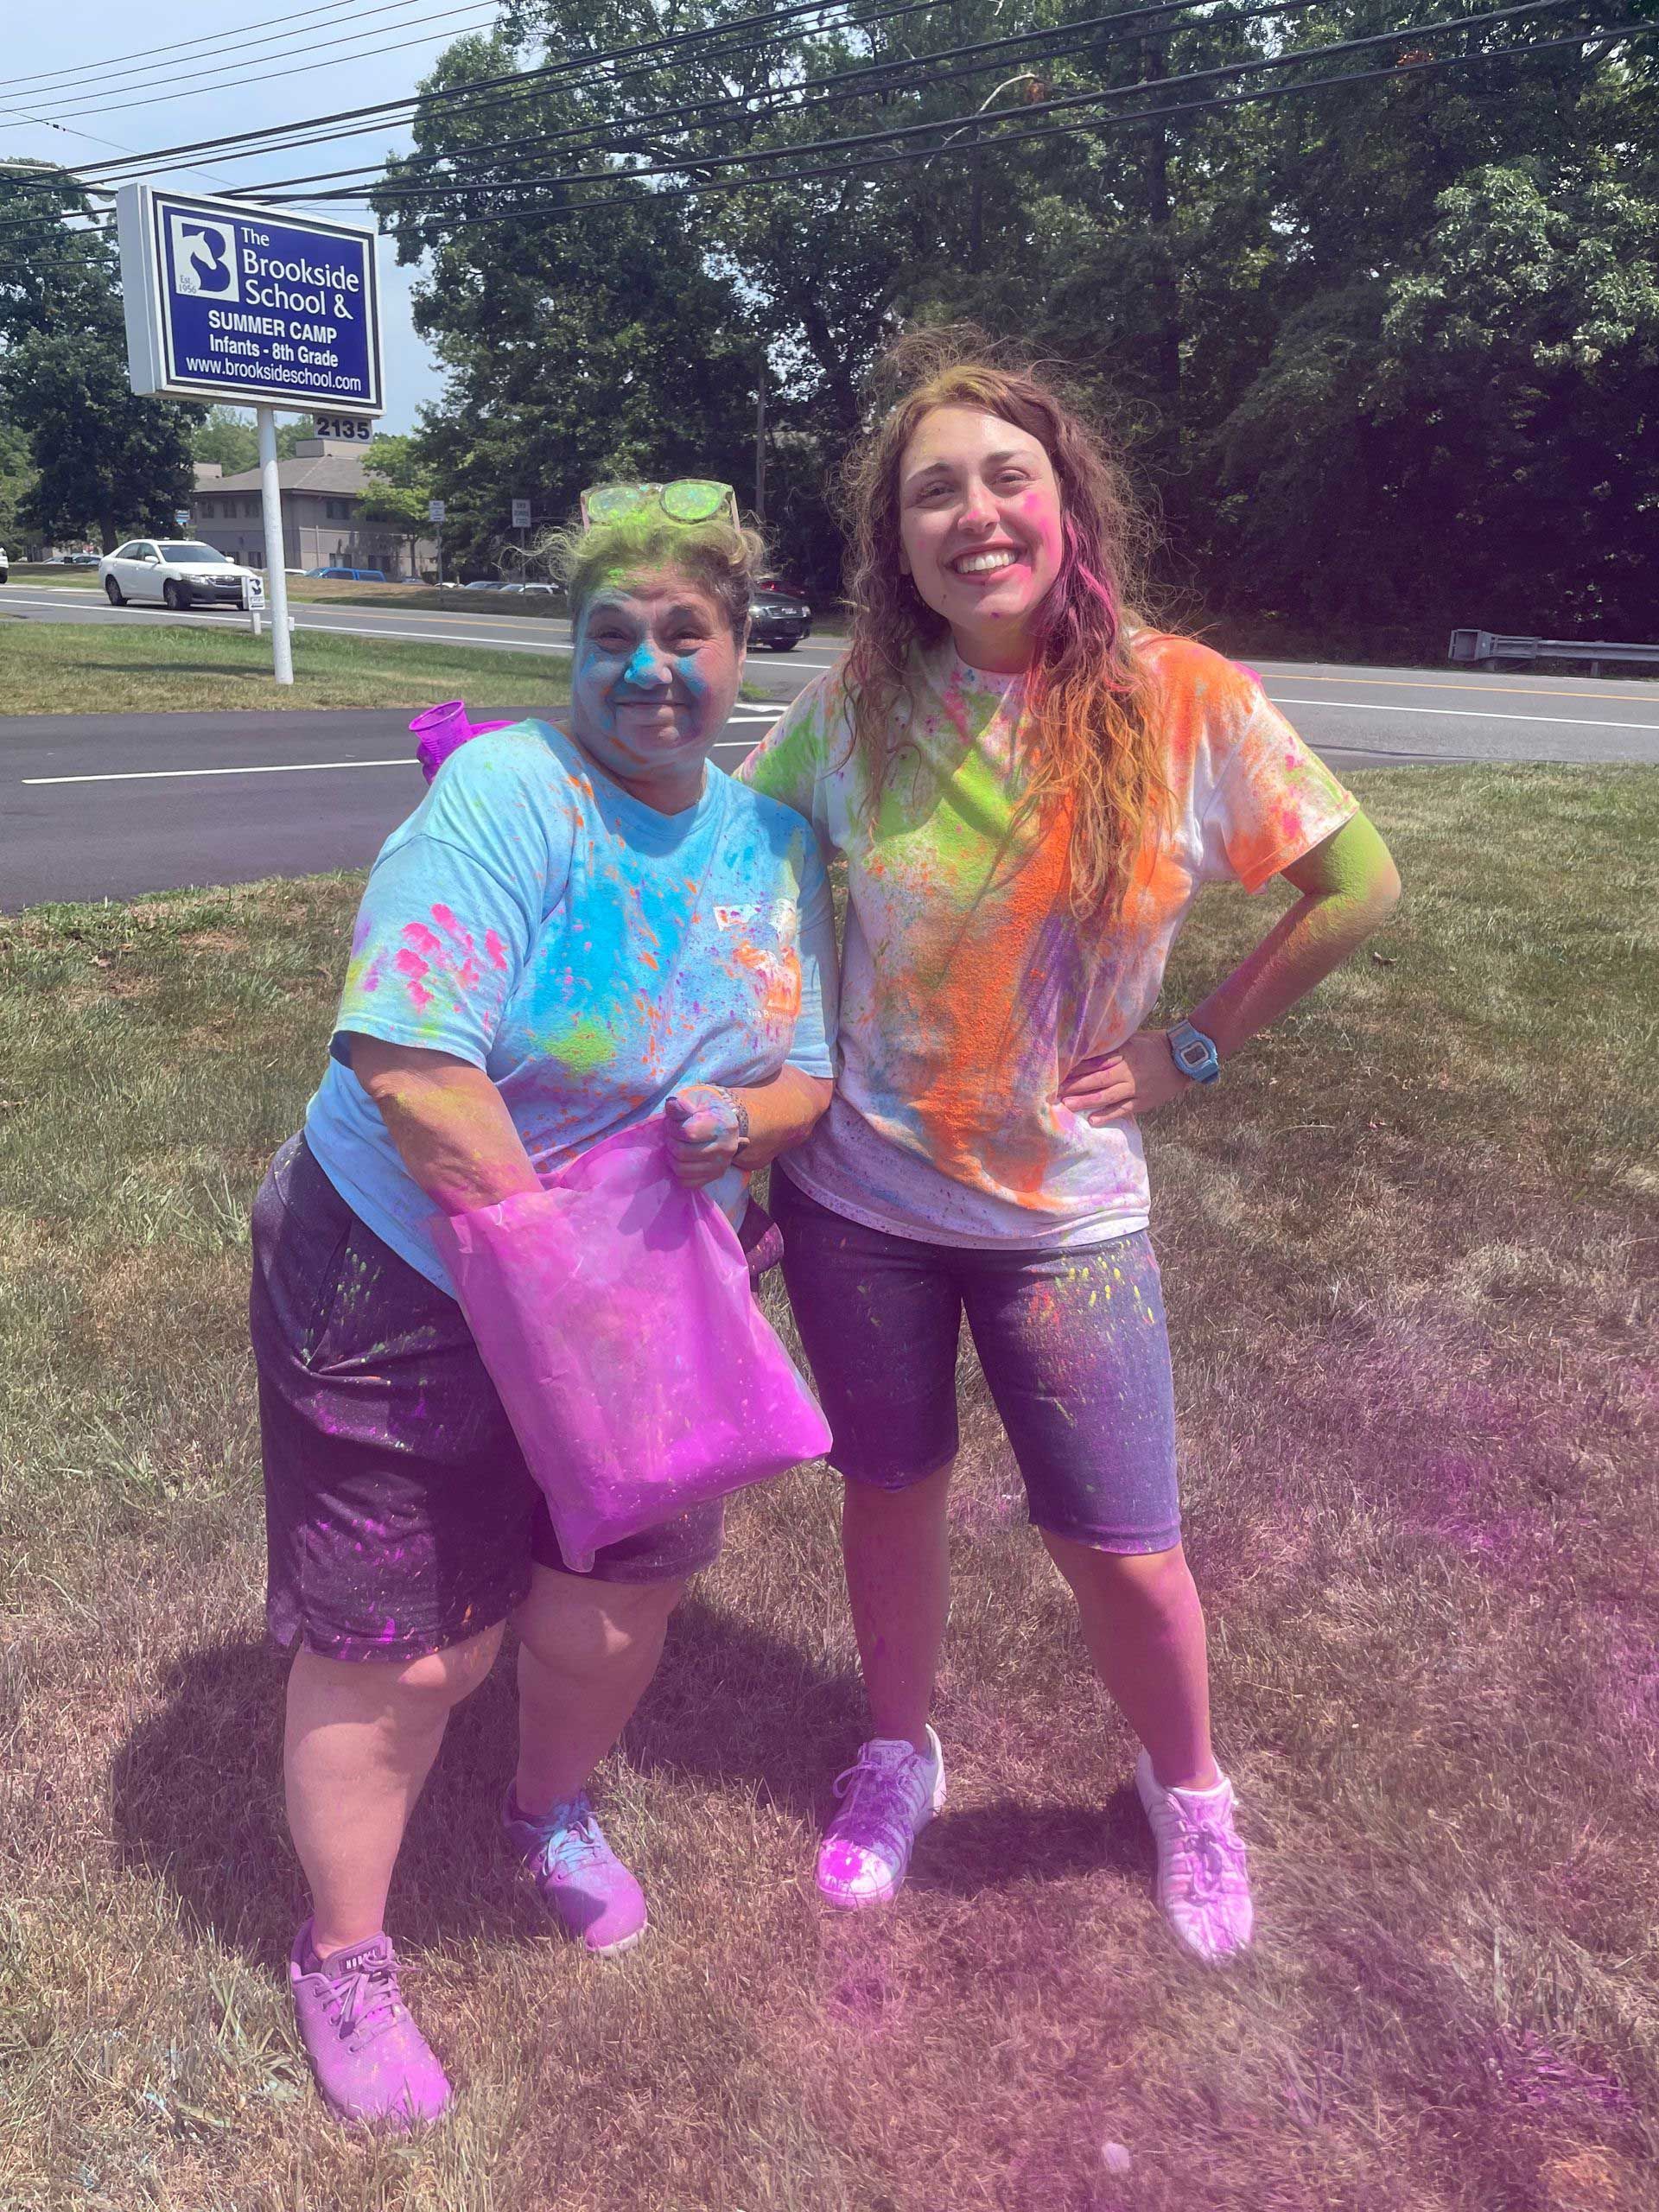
{"points": [[1193, 1053], [742, 1112]]}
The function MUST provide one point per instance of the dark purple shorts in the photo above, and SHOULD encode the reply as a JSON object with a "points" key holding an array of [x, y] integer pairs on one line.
{"points": [[400, 1516], [1072, 1344]]}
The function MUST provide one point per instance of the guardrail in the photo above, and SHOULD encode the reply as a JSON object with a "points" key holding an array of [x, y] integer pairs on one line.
{"points": [[1486, 648]]}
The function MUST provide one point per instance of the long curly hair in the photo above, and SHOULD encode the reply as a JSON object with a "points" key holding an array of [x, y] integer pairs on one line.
{"points": [[1098, 760]]}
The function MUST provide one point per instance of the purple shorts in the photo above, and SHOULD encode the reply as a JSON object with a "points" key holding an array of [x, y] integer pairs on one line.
{"points": [[1072, 1344], [400, 1516]]}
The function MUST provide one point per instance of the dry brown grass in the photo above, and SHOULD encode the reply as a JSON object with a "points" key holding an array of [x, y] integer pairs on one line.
{"points": [[1409, 1252]]}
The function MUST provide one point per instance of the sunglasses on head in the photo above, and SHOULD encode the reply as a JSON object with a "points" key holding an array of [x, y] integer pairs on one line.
{"points": [[693, 499]]}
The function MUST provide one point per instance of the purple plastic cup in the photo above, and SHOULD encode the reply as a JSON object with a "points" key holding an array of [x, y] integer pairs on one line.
{"points": [[443, 730]]}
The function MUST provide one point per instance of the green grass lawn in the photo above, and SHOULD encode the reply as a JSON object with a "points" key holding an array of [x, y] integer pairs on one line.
{"points": [[1408, 1247], [73, 668]]}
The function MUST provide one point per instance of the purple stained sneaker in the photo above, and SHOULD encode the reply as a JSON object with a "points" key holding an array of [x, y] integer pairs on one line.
{"points": [[592, 1894], [1204, 1883], [373, 2065], [892, 1793]]}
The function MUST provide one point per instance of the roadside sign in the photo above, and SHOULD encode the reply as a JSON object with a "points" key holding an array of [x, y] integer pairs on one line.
{"points": [[182, 518], [434, 511], [249, 306], [253, 594], [521, 514], [344, 426]]}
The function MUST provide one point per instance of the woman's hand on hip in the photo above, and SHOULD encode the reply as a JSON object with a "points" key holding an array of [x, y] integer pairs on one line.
{"points": [[1135, 1079], [706, 1131]]}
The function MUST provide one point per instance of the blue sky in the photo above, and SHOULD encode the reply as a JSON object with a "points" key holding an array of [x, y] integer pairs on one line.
{"points": [[64, 66]]}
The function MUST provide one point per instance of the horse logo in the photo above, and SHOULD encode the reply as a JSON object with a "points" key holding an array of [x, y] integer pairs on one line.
{"points": [[204, 258]]}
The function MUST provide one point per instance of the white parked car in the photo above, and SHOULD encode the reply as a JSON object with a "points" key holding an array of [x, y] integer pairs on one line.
{"points": [[177, 572]]}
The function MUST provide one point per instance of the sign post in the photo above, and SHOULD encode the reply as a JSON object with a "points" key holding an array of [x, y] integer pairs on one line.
{"points": [[521, 523], [434, 513], [255, 308]]}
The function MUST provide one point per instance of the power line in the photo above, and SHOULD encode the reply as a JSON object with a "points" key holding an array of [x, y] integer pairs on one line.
{"points": [[1060, 41], [631, 197], [901, 132], [208, 38], [520, 79], [523, 80], [100, 106], [1256, 96], [83, 179]]}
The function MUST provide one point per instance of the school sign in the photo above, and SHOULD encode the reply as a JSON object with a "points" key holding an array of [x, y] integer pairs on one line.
{"points": [[225, 302]]}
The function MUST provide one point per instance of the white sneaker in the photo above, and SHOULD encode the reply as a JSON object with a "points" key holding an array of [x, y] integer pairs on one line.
{"points": [[1204, 1884], [892, 1793]]}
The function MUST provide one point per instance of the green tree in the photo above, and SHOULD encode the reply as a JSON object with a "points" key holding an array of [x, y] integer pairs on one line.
{"points": [[105, 463], [400, 483], [16, 475], [230, 437], [1275, 304], [105, 460]]}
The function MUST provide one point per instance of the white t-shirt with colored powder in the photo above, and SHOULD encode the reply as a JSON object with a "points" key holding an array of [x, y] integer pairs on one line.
{"points": [[969, 990]]}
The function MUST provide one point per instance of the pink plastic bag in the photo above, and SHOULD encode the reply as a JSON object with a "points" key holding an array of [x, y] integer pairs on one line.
{"points": [[613, 1312]]}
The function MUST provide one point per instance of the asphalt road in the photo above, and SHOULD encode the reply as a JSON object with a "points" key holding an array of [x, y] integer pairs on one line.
{"points": [[109, 806]]}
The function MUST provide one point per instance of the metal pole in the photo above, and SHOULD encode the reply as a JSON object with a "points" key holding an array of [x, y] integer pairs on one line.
{"points": [[438, 526], [271, 499], [760, 445]]}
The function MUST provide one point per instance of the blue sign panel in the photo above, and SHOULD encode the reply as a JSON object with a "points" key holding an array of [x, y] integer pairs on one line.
{"points": [[230, 302]]}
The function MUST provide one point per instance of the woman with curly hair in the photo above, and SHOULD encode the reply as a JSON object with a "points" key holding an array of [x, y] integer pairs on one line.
{"points": [[1028, 786]]}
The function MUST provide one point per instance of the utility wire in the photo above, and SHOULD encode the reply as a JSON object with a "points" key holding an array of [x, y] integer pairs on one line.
{"points": [[521, 80], [100, 105], [631, 198], [1257, 96], [208, 38], [1074, 38], [901, 132]]}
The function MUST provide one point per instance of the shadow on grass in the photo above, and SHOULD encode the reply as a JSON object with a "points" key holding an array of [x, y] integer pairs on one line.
{"points": [[181, 669], [197, 1788], [732, 1705], [993, 1847]]}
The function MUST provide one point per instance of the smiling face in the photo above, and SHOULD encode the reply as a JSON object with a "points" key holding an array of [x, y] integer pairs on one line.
{"points": [[654, 677], [980, 524]]}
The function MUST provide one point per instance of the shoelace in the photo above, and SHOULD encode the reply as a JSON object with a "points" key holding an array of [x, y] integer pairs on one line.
{"points": [[1208, 1854], [569, 1838], [878, 1802], [369, 1996]]}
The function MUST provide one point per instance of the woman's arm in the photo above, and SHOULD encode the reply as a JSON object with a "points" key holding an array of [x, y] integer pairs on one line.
{"points": [[1349, 885], [711, 1128], [449, 1122]]}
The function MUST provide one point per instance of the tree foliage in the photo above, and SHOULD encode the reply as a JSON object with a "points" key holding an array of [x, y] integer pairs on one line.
{"points": [[399, 484], [103, 461], [1382, 357], [230, 437]]}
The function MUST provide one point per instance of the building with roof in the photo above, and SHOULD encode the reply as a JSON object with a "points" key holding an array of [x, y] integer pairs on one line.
{"points": [[323, 526]]}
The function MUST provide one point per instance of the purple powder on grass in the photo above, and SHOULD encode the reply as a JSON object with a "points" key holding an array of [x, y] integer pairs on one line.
{"points": [[1536, 2076]]}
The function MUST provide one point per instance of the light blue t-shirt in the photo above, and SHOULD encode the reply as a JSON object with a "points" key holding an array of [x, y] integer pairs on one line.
{"points": [[592, 956]]}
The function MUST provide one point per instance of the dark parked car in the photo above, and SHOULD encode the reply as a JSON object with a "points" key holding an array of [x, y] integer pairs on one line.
{"points": [[353, 575], [779, 615]]}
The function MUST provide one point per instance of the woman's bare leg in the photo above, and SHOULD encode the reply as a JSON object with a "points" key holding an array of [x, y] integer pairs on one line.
{"points": [[360, 1741], [894, 1547], [1144, 1627]]}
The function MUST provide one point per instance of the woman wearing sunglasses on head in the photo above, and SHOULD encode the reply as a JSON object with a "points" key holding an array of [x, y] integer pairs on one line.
{"points": [[582, 926], [1028, 789]]}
